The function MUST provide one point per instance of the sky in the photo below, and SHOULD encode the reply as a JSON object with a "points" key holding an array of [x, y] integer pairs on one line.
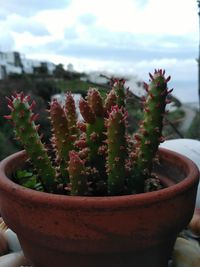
{"points": [[129, 37]]}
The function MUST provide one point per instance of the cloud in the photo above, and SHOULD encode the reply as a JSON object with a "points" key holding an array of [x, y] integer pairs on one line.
{"points": [[97, 48], [87, 19], [141, 3], [70, 34], [30, 7], [2, 15], [6, 41], [103, 44], [20, 25]]}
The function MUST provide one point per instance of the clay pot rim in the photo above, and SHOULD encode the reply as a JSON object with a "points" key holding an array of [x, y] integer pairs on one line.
{"points": [[98, 202]]}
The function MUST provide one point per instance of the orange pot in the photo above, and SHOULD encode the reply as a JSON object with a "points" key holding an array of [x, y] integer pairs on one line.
{"points": [[120, 231]]}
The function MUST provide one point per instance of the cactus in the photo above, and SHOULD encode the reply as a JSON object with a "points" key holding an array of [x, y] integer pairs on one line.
{"points": [[70, 110], [77, 174], [116, 140], [92, 111], [27, 132], [62, 140], [118, 87], [95, 102], [95, 156], [150, 131], [111, 100]]}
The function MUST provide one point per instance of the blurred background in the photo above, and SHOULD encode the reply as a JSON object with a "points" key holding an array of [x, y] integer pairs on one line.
{"points": [[49, 47]]}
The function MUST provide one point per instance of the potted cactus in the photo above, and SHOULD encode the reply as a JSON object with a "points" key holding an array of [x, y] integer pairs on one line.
{"points": [[106, 198]]}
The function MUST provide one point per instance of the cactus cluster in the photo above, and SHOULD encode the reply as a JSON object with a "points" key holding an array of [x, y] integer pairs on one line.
{"points": [[95, 156]]}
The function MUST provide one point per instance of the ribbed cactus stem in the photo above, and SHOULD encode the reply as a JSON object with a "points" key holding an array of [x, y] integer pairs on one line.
{"points": [[118, 87], [86, 111], [111, 100], [77, 175], [61, 137], [94, 138], [23, 119], [70, 110], [117, 153], [95, 101], [92, 111], [150, 131]]}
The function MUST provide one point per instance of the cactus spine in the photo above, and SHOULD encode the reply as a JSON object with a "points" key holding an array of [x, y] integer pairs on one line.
{"points": [[26, 131]]}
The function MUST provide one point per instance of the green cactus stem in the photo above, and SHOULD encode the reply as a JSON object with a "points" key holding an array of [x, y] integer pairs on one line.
{"points": [[86, 111], [111, 100], [118, 87], [77, 175], [95, 102], [150, 131], [93, 116], [70, 110], [62, 140], [116, 141], [27, 132], [94, 131]]}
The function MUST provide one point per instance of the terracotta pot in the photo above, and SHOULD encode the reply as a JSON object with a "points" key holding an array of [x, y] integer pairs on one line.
{"points": [[122, 231]]}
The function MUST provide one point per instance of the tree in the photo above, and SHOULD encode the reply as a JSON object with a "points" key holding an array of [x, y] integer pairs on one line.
{"points": [[59, 71]]}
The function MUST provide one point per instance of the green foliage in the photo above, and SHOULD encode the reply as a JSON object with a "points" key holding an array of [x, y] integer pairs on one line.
{"points": [[41, 70], [45, 89], [59, 71], [28, 179], [75, 86]]}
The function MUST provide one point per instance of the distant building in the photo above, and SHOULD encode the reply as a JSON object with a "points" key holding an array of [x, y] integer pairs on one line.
{"points": [[28, 65], [15, 63], [33, 66], [10, 62]]}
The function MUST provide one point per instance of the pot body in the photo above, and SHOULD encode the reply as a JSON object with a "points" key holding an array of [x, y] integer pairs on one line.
{"points": [[121, 231]]}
